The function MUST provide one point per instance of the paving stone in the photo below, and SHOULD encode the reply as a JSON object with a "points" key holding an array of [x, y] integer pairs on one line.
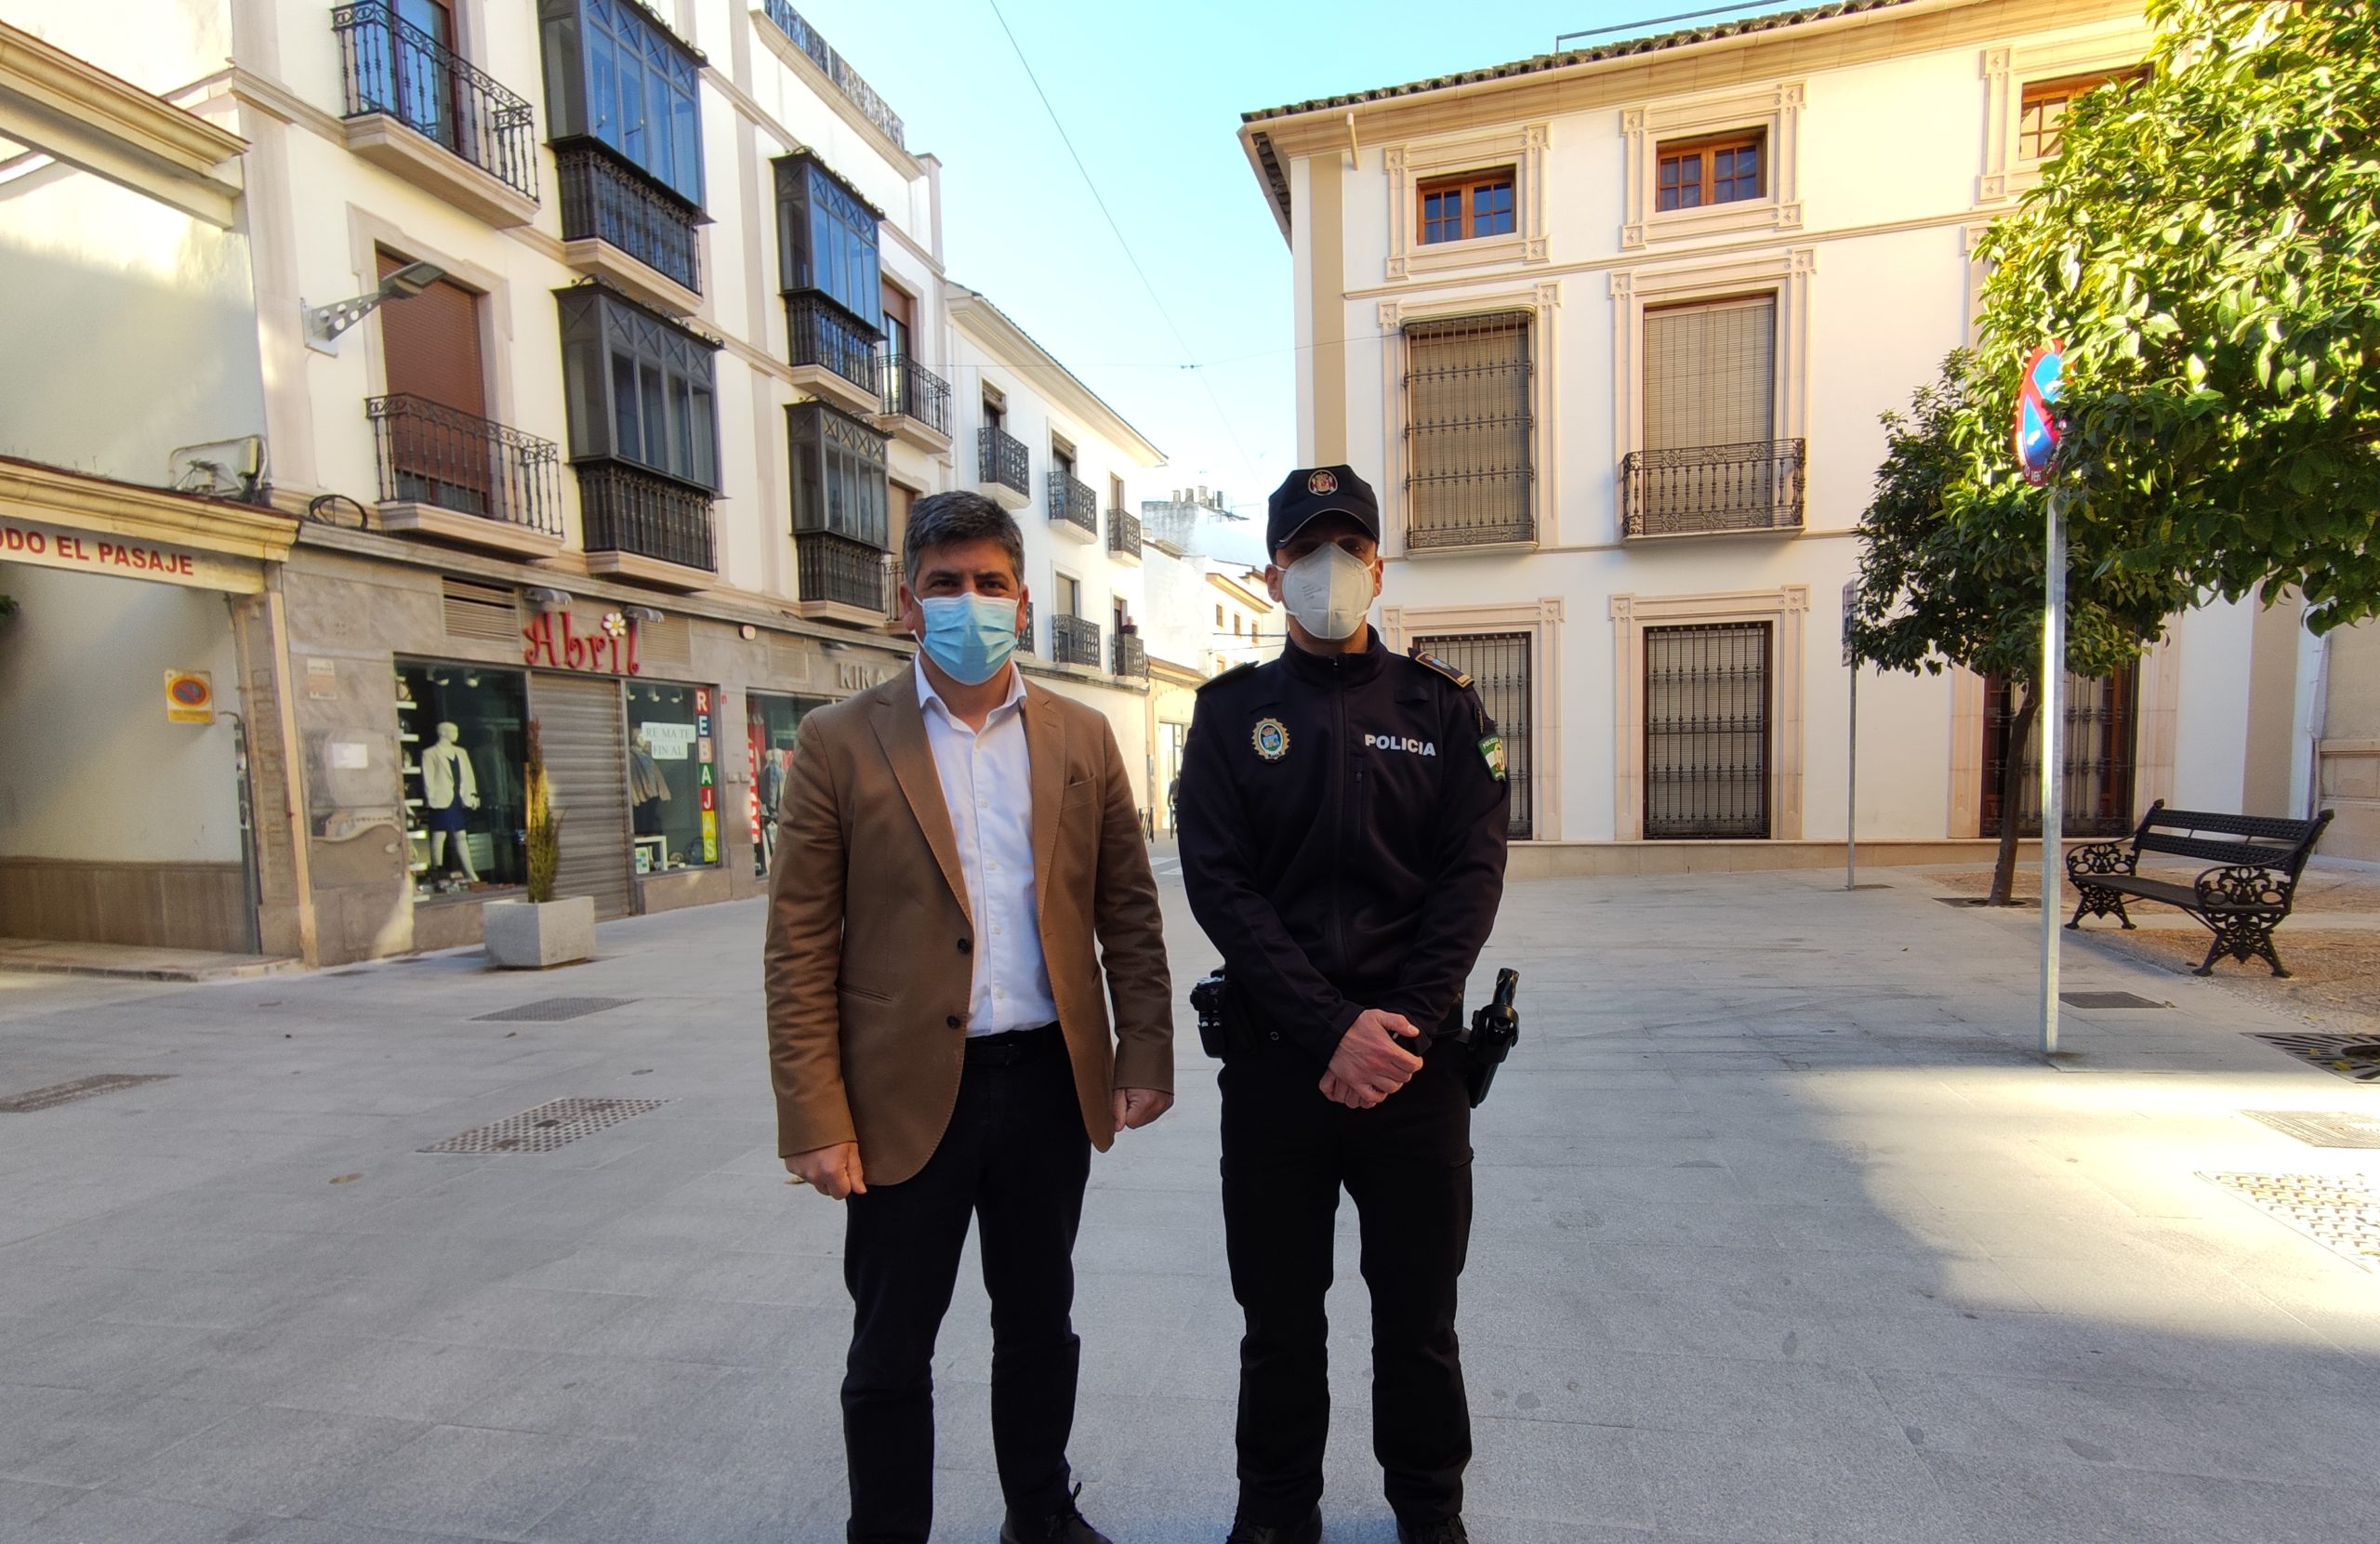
{"points": [[469, 1480], [275, 1461]]}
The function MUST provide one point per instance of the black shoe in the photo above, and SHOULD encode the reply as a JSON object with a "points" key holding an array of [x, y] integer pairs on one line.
{"points": [[1446, 1530], [1307, 1531], [1061, 1528]]}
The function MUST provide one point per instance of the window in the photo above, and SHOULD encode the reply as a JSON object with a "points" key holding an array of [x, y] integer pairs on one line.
{"points": [[2040, 123], [826, 238], [2102, 733], [1218, 621], [1468, 431], [639, 388], [839, 484], [1115, 493], [1498, 664], [1459, 208], [1062, 456], [673, 776], [616, 76], [463, 749], [1706, 731], [900, 313], [1722, 170], [1070, 595], [1711, 373], [995, 411], [771, 729]]}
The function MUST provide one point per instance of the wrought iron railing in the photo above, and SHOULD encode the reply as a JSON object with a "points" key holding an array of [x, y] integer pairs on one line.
{"points": [[604, 199], [1025, 628], [1071, 500], [393, 66], [821, 334], [847, 79], [1132, 657], [1711, 488], [1123, 533], [917, 393], [624, 510], [1002, 458], [839, 569], [430, 454], [1074, 640]]}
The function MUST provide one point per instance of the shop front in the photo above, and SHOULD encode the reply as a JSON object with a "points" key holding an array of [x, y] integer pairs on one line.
{"points": [[663, 737], [139, 720]]}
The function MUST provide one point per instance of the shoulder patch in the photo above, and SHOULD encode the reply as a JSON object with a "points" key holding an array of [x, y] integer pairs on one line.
{"points": [[1441, 667], [1233, 674]]}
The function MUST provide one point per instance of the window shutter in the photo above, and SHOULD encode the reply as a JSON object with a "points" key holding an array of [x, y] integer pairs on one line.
{"points": [[1467, 429], [1710, 374], [431, 343]]}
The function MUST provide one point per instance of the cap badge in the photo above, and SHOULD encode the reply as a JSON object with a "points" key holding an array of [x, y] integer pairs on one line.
{"points": [[1271, 739], [1322, 482]]}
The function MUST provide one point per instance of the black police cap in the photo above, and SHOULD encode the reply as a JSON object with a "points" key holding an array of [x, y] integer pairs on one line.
{"points": [[1312, 491]]}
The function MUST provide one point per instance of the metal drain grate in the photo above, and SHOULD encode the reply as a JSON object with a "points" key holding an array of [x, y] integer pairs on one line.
{"points": [[82, 1087], [2337, 1211], [2032, 900], [547, 1126], [2354, 1057], [551, 1011], [2327, 1128], [2108, 999]]}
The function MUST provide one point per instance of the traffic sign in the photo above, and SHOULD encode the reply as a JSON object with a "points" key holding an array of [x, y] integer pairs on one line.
{"points": [[2039, 429]]}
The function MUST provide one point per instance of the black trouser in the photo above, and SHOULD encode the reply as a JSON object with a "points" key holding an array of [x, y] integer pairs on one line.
{"points": [[1016, 1157], [1406, 1164]]}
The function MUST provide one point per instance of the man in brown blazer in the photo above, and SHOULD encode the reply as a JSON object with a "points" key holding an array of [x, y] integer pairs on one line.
{"points": [[958, 858]]}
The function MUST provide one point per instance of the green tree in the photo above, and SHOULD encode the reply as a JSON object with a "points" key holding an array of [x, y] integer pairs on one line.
{"points": [[1951, 569], [2207, 246]]}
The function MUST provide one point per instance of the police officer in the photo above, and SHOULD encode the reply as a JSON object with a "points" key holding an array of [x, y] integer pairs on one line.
{"points": [[1342, 816]]}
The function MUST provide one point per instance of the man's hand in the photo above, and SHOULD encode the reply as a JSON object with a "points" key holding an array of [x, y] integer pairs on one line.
{"points": [[1369, 1065], [1137, 1107], [833, 1172]]}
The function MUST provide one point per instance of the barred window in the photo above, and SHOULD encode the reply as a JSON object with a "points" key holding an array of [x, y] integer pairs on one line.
{"points": [[839, 482], [1467, 430]]}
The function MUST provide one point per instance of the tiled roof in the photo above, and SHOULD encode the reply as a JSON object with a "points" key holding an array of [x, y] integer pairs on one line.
{"points": [[1624, 49]]}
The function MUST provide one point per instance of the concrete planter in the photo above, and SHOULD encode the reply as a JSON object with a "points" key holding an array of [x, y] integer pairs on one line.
{"points": [[524, 935]]}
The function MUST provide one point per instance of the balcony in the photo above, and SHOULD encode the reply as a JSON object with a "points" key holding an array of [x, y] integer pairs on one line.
{"points": [[1124, 535], [1131, 658], [417, 108], [916, 404], [842, 580], [1074, 509], [1074, 641], [833, 356], [640, 525], [1710, 490], [1004, 468], [620, 227], [449, 476], [1025, 628]]}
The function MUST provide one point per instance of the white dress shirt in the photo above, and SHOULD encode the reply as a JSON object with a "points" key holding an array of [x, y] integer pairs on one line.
{"points": [[987, 786]]}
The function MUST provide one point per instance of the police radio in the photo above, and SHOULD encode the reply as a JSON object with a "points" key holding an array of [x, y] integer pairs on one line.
{"points": [[1207, 999], [1491, 1035]]}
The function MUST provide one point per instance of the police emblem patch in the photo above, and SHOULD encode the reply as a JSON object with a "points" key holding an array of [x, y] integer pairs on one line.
{"points": [[1322, 482], [1492, 749], [1271, 739]]}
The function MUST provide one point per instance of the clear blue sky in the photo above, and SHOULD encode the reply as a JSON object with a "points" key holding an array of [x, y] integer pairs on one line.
{"points": [[1151, 95]]}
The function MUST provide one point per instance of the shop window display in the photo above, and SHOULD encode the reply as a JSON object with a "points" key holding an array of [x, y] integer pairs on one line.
{"points": [[673, 776], [771, 727], [461, 733]]}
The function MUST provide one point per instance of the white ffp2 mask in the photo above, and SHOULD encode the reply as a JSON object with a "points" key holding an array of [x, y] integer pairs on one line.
{"points": [[1327, 590]]}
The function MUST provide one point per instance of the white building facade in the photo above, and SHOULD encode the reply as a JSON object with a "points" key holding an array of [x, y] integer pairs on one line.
{"points": [[1612, 332]]}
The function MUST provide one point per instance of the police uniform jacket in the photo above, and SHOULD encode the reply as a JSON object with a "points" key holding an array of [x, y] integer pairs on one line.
{"points": [[1343, 829]]}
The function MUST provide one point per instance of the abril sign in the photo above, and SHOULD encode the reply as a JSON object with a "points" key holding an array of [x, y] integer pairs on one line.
{"points": [[555, 642]]}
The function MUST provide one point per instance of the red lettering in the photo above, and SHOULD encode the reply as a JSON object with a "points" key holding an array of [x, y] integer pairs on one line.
{"points": [[634, 669], [702, 699], [185, 565], [574, 648], [77, 553], [538, 641]]}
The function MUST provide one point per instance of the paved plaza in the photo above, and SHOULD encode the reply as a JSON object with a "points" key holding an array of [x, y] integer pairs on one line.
{"points": [[1783, 1234]]}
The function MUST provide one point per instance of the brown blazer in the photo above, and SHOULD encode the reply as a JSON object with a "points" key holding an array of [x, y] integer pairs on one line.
{"points": [[868, 963]]}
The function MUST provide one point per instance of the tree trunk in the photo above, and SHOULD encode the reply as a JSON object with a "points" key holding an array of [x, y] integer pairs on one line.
{"points": [[2012, 787]]}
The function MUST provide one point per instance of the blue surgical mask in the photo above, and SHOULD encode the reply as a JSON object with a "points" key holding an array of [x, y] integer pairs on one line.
{"points": [[970, 636]]}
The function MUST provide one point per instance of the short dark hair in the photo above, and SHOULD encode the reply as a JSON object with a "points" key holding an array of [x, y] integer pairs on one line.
{"points": [[947, 520]]}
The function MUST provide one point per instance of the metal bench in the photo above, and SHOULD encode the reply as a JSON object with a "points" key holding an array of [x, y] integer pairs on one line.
{"points": [[2241, 900]]}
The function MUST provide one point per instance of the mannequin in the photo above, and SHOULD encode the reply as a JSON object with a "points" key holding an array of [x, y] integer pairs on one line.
{"points": [[448, 787], [774, 762], [647, 791]]}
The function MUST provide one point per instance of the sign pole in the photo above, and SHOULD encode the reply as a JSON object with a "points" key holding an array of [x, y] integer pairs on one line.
{"points": [[2053, 719], [1851, 759]]}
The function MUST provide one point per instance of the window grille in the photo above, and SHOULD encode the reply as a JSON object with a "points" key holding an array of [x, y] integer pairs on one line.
{"points": [[1706, 731], [1468, 431], [2102, 730], [1498, 664]]}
